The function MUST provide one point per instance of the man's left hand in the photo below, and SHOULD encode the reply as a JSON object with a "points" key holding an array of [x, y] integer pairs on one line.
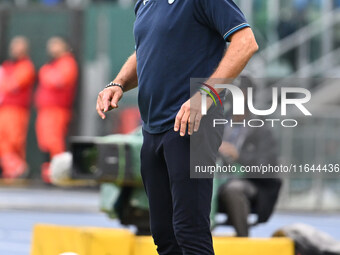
{"points": [[189, 116]]}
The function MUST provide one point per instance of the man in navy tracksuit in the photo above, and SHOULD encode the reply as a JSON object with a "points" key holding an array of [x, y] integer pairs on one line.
{"points": [[177, 40]]}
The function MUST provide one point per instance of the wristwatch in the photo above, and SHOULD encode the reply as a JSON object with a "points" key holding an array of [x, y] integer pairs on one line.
{"points": [[113, 84]]}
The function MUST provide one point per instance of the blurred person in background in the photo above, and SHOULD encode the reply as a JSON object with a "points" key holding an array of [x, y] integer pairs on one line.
{"points": [[17, 77], [248, 146], [129, 120], [54, 100]]}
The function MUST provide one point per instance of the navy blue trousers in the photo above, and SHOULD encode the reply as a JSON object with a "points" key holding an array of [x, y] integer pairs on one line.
{"points": [[179, 206]]}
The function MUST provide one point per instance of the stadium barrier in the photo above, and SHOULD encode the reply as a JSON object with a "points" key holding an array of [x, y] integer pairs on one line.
{"points": [[58, 240]]}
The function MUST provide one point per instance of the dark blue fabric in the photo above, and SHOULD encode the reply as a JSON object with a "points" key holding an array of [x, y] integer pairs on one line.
{"points": [[179, 206], [176, 42]]}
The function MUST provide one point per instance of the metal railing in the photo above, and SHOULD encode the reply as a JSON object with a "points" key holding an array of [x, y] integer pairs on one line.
{"points": [[315, 141], [300, 41]]}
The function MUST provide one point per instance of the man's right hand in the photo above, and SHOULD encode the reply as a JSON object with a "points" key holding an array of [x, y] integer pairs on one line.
{"points": [[108, 100]]}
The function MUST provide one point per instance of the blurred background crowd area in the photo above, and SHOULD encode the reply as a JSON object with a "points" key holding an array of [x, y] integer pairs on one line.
{"points": [[299, 46]]}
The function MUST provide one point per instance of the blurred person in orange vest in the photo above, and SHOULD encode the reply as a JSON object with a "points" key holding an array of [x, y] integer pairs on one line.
{"points": [[16, 83], [54, 100]]}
